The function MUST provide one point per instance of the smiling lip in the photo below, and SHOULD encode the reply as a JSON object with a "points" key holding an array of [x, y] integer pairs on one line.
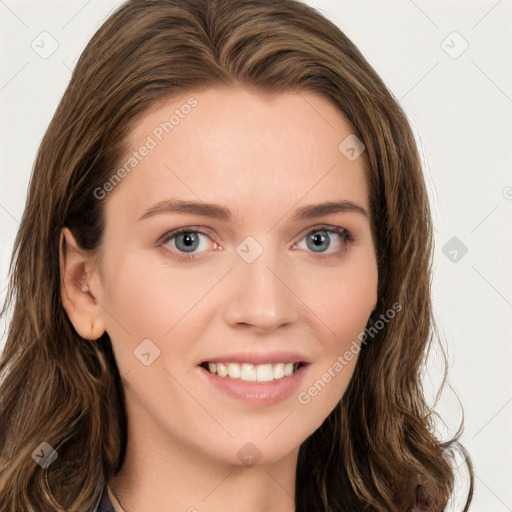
{"points": [[256, 393], [259, 358]]}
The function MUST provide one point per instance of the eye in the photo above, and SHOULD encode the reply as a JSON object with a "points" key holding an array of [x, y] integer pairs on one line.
{"points": [[188, 243], [321, 239], [185, 242]]}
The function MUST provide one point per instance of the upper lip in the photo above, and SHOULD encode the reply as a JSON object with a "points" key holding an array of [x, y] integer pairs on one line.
{"points": [[259, 358]]}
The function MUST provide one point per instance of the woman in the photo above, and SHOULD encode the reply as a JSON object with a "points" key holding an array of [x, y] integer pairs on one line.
{"points": [[178, 341]]}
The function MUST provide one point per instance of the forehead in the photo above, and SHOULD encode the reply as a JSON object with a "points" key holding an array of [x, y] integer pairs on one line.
{"points": [[249, 150]]}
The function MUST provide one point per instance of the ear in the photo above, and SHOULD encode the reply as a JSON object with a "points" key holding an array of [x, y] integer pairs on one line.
{"points": [[76, 267]]}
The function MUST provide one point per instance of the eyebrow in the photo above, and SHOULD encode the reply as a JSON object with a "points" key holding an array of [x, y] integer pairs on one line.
{"points": [[217, 211]]}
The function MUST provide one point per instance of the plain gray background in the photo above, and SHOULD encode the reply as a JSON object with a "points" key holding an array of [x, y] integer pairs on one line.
{"points": [[448, 63]]}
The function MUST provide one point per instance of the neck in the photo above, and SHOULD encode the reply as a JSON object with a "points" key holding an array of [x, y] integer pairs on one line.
{"points": [[256, 489], [178, 477]]}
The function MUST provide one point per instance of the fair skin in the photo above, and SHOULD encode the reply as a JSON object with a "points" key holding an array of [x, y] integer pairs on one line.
{"points": [[263, 157]]}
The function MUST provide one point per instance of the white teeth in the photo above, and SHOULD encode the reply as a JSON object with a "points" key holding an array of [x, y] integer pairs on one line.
{"points": [[234, 370], [288, 369], [222, 371], [278, 371], [251, 373], [248, 372], [264, 373]]}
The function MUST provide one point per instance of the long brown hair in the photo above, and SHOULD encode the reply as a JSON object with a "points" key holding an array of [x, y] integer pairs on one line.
{"points": [[377, 446]]}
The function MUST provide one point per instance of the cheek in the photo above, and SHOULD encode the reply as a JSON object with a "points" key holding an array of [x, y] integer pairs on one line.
{"points": [[344, 305], [149, 300], [343, 301], [350, 306]]}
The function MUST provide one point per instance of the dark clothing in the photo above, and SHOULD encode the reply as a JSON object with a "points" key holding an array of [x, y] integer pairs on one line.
{"points": [[421, 504], [105, 503]]}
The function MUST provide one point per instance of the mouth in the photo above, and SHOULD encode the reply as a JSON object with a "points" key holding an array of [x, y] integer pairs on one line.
{"points": [[254, 378], [249, 372]]}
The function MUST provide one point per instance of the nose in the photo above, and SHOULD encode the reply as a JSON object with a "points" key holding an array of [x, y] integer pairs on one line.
{"points": [[261, 293]]}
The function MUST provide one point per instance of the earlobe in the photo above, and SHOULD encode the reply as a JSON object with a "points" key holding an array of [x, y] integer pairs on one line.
{"points": [[77, 298]]}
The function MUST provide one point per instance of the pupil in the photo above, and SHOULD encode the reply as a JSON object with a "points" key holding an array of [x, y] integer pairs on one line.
{"points": [[319, 239], [189, 240]]}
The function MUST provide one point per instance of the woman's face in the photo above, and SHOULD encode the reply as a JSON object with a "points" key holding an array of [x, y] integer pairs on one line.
{"points": [[256, 284]]}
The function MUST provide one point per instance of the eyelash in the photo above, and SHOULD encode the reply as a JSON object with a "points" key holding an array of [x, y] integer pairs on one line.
{"points": [[345, 235]]}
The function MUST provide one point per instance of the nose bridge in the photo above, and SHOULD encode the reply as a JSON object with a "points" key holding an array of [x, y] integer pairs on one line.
{"points": [[258, 294]]}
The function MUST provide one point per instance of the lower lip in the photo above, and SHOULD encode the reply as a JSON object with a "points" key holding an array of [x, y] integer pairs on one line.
{"points": [[256, 393]]}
